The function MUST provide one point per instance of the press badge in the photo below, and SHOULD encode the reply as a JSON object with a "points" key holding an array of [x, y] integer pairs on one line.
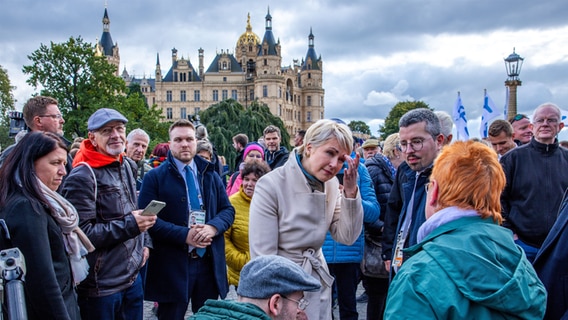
{"points": [[197, 217]]}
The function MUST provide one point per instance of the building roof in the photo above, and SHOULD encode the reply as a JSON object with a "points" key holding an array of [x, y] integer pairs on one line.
{"points": [[268, 38], [311, 55], [248, 37], [234, 64], [170, 75], [106, 39]]}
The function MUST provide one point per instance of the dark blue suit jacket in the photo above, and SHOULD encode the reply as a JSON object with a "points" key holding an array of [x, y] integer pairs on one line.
{"points": [[168, 270], [551, 265]]}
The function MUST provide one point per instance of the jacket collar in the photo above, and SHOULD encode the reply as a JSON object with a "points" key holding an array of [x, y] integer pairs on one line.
{"points": [[544, 148]]}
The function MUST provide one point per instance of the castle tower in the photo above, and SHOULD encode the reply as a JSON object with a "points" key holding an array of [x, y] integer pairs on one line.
{"points": [[311, 83], [105, 46]]}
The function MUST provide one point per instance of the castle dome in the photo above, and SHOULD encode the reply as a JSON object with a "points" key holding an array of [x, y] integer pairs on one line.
{"points": [[248, 37]]}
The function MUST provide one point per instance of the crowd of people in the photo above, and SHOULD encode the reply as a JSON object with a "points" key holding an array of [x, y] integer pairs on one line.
{"points": [[433, 228]]}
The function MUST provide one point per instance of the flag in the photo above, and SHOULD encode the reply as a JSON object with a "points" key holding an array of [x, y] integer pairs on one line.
{"points": [[564, 117], [460, 120], [489, 113]]}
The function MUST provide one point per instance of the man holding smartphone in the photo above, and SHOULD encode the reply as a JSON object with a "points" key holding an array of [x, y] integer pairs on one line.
{"points": [[188, 259]]}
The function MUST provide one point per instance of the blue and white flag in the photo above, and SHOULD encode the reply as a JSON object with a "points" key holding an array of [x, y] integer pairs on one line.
{"points": [[460, 120], [489, 113]]}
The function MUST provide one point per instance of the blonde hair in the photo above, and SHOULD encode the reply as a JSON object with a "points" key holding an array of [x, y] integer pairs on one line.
{"points": [[469, 176], [391, 144], [323, 130]]}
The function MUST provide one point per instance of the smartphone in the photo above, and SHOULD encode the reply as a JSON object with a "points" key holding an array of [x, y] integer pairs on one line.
{"points": [[153, 208]]}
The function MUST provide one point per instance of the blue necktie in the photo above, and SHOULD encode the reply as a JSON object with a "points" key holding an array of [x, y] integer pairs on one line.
{"points": [[191, 189], [193, 199]]}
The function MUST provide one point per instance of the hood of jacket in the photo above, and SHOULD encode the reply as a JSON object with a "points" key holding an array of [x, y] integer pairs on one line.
{"points": [[487, 268]]}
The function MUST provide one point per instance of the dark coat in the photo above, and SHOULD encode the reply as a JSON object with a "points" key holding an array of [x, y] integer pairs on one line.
{"points": [[551, 265], [397, 205], [108, 222], [276, 159], [49, 284], [168, 270]]}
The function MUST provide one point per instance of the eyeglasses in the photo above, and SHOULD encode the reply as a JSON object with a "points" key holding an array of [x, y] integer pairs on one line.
{"points": [[427, 186], [552, 121], [107, 131], [54, 116], [302, 304], [416, 144], [518, 117]]}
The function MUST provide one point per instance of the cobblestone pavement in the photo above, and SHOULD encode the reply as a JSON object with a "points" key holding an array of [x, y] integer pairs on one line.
{"points": [[361, 307]]}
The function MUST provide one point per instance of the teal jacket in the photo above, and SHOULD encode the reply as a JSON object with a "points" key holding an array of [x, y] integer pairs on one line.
{"points": [[468, 268], [224, 309]]}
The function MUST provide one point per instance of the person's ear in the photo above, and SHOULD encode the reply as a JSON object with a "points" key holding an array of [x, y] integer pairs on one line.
{"points": [[91, 136], [275, 305], [433, 190]]}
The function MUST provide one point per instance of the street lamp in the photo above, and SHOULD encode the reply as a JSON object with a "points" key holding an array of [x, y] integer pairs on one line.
{"points": [[513, 64]]}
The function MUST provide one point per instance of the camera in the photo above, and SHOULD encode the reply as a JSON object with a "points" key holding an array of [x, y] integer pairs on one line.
{"points": [[12, 271], [17, 123]]}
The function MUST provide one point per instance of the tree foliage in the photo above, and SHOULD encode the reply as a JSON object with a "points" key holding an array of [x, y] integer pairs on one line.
{"points": [[81, 81], [229, 118], [7, 102], [359, 126], [391, 121]]}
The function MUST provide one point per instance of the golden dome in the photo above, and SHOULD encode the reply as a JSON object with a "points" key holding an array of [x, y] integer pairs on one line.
{"points": [[248, 37]]}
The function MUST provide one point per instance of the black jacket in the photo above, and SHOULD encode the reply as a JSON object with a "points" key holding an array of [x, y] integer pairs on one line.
{"points": [[276, 159], [49, 284], [537, 175], [108, 222]]}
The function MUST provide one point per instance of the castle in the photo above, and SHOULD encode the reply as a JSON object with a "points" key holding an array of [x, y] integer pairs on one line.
{"points": [[253, 72]]}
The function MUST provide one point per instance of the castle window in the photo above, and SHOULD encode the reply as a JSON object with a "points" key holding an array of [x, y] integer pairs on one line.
{"points": [[224, 79], [279, 92], [251, 94], [182, 97], [225, 94], [169, 96], [234, 94], [265, 91], [309, 75], [250, 48], [215, 95], [279, 110], [224, 65], [321, 102], [196, 95], [309, 101], [169, 113], [196, 111], [309, 116], [175, 76], [183, 113], [265, 62]]}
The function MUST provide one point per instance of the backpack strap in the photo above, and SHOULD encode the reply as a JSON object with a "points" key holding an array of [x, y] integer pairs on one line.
{"points": [[92, 172]]}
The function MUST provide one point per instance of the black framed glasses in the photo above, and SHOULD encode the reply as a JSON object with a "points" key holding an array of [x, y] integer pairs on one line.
{"points": [[54, 116], [518, 117], [302, 303]]}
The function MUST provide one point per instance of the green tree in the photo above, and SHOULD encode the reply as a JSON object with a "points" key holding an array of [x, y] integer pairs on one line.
{"points": [[228, 118], [391, 121], [80, 80], [359, 126], [7, 102]]}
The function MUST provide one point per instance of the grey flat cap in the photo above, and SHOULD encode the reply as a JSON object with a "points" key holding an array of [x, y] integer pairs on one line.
{"points": [[265, 276], [102, 117]]}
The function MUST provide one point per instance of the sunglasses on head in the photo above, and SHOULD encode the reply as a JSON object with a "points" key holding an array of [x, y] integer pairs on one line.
{"points": [[517, 118]]}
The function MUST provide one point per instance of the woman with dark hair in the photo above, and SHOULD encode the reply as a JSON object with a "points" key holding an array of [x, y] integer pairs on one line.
{"points": [[44, 226], [236, 237], [159, 154]]}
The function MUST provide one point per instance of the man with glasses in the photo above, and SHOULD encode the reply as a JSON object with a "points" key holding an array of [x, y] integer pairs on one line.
{"points": [[522, 131], [270, 287], [42, 114], [102, 188], [420, 142], [537, 176]]}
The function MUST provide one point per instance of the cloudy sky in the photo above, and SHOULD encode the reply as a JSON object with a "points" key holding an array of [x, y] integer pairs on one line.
{"points": [[375, 52]]}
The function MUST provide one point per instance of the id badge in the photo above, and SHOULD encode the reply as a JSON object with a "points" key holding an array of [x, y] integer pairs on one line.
{"points": [[197, 217], [398, 255]]}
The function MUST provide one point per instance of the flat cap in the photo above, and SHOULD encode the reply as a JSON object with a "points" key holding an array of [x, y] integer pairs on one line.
{"points": [[265, 276], [370, 143], [102, 117]]}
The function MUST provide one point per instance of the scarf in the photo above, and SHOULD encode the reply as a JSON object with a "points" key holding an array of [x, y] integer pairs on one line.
{"points": [[87, 153], [314, 183], [390, 166], [76, 242]]}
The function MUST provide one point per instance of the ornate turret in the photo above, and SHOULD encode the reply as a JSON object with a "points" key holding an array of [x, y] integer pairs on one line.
{"points": [[105, 46], [247, 46]]}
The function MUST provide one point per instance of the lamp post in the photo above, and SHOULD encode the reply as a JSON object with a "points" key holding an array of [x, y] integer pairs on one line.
{"points": [[513, 64]]}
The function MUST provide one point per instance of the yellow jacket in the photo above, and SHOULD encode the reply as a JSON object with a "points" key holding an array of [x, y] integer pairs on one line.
{"points": [[236, 237]]}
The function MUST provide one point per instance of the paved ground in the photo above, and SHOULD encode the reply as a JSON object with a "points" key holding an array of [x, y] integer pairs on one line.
{"points": [[361, 307]]}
